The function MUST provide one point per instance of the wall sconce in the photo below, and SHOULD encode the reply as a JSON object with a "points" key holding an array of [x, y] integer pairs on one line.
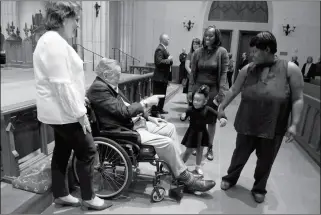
{"points": [[97, 7], [287, 29], [188, 25]]}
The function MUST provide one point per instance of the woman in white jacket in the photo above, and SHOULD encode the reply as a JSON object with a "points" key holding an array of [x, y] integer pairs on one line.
{"points": [[60, 88]]}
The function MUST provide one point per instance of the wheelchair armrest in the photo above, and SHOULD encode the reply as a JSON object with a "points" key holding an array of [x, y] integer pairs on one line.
{"points": [[128, 135]]}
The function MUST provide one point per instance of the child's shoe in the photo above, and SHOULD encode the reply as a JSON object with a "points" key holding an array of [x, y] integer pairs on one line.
{"points": [[194, 152], [198, 171]]}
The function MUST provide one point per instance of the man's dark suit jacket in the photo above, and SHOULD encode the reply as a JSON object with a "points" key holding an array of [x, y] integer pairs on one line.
{"points": [[318, 69], [162, 64], [109, 107], [311, 72]]}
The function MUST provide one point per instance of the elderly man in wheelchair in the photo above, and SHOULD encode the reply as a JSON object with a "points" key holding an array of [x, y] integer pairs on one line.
{"points": [[125, 136]]}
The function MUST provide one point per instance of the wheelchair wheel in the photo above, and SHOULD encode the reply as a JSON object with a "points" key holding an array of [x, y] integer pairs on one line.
{"points": [[158, 194], [113, 171]]}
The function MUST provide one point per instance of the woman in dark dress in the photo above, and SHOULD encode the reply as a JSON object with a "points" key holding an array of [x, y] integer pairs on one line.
{"points": [[182, 70], [271, 90], [196, 43], [209, 66], [196, 136]]}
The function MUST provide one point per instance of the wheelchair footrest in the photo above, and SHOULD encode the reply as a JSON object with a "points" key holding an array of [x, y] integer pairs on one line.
{"points": [[177, 193]]}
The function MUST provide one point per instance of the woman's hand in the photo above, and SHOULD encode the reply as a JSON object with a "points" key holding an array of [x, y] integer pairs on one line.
{"points": [[291, 132], [155, 120], [84, 122], [220, 113]]}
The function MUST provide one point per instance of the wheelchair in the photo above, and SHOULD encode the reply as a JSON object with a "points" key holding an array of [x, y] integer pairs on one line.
{"points": [[119, 155]]}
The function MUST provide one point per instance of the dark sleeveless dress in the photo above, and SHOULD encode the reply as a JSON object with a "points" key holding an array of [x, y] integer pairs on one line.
{"points": [[197, 133], [265, 102], [207, 73]]}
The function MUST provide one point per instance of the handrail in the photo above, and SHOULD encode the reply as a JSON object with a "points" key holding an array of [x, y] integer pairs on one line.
{"points": [[88, 50], [125, 54], [131, 58], [94, 53]]}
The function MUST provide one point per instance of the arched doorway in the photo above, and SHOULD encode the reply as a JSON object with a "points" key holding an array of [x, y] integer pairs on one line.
{"points": [[239, 21]]}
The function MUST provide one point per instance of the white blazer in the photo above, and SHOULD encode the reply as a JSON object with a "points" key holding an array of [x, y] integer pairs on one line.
{"points": [[60, 80]]}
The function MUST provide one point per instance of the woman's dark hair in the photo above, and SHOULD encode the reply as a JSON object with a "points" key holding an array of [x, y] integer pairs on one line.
{"points": [[197, 41], [204, 89], [263, 40], [57, 12], [218, 37]]}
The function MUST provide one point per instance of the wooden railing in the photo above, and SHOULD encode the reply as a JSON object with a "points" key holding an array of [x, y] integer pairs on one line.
{"points": [[141, 69], [26, 141], [308, 134], [124, 59], [83, 54]]}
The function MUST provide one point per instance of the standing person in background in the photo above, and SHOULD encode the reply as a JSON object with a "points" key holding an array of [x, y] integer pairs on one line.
{"points": [[308, 70], [230, 70], [295, 60], [60, 95], [196, 43], [163, 62], [182, 70], [2, 51], [244, 62], [318, 68], [209, 67]]}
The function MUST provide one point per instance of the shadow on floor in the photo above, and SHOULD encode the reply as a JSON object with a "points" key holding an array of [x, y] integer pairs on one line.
{"points": [[179, 110], [180, 102]]}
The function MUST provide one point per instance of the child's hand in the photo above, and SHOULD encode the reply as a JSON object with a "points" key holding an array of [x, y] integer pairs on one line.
{"points": [[223, 122], [183, 117]]}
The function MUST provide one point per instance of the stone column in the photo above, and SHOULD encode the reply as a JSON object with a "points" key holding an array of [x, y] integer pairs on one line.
{"points": [[94, 30]]}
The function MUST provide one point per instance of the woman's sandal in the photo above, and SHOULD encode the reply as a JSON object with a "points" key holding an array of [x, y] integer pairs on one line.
{"points": [[65, 203], [87, 206]]}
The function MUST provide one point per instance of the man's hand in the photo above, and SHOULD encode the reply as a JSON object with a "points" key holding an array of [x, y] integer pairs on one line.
{"points": [[153, 100], [156, 121], [291, 132], [170, 57], [84, 122]]}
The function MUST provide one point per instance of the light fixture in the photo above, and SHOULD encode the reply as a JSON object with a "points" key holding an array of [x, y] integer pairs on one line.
{"points": [[287, 29], [188, 24]]}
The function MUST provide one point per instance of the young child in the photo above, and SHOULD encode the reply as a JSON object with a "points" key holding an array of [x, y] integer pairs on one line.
{"points": [[196, 136]]}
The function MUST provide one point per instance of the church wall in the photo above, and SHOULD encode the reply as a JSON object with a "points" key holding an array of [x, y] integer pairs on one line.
{"points": [[94, 30], [305, 41], [156, 17]]}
